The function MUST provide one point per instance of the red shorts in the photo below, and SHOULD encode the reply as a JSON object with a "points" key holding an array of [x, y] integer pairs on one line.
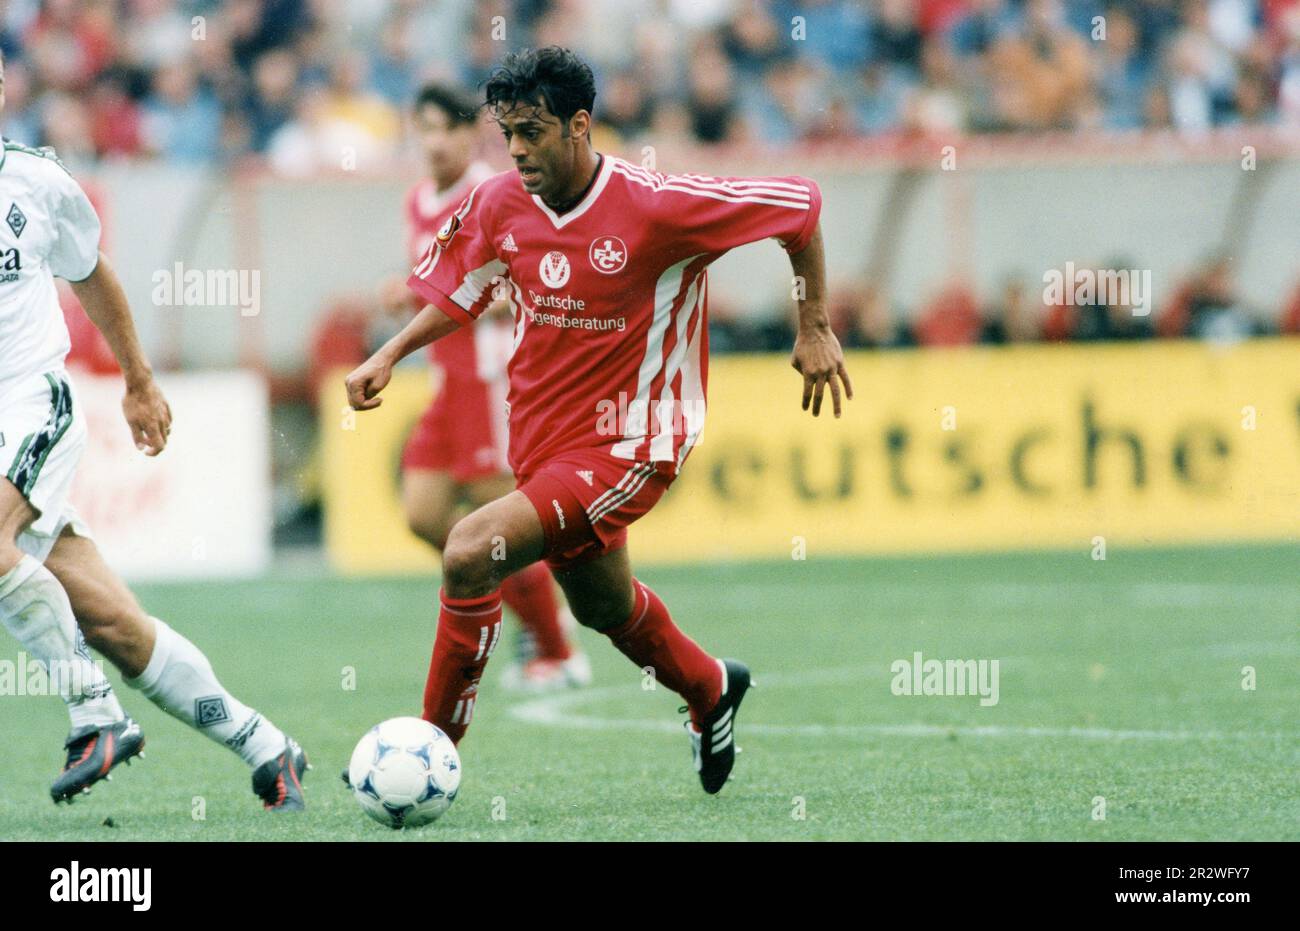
{"points": [[587, 498], [463, 431]]}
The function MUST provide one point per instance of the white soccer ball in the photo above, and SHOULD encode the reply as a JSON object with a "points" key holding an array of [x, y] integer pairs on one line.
{"points": [[405, 772]]}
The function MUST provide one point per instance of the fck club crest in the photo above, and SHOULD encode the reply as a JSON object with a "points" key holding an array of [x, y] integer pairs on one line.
{"points": [[608, 254], [554, 269]]}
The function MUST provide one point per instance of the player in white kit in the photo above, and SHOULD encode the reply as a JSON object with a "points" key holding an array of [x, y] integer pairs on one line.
{"points": [[54, 586]]}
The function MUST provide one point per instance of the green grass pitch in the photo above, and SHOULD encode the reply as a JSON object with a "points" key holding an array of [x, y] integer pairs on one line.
{"points": [[1119, 679]]}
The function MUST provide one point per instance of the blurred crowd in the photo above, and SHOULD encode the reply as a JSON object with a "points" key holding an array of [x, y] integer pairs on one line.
{"points": [[292, 81], [291, 84], [1205, 304]]}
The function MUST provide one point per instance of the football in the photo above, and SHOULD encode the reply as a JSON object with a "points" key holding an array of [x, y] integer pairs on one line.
{"points": [[405, 772]]}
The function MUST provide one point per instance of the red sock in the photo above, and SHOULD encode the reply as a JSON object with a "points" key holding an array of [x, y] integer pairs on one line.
{"points": [[530, 593], [650, 638], [468, 631]]}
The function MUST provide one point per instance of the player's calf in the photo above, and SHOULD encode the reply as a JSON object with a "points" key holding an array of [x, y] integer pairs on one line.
{"points": [[469, 631], [482, 550], [712, 688], [603, 609], [123, 638]]}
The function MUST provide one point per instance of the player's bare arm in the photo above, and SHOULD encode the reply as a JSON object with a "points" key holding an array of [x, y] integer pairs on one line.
{"points": [[817, 355], [145, 408], [372, 376]]}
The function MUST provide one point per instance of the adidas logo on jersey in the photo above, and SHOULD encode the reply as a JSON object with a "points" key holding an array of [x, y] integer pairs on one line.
{"points": [[585, 475], [508, 244]]}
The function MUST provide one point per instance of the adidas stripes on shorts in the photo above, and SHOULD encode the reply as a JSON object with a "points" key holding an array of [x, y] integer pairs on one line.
{"points": [[587, 498]]}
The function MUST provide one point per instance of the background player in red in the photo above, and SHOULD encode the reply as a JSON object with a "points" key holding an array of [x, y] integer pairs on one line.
{"points": [[604, 265], [456, 455]]}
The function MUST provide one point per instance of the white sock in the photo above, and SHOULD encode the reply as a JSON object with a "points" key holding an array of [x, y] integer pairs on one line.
{"points": [[179, 680], [36, 610]]}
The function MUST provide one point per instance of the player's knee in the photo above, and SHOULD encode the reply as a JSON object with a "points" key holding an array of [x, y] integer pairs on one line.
{"points": [[467, 566]]}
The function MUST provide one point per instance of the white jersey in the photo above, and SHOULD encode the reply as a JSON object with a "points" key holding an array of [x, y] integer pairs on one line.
{"points": [[47, 228]]}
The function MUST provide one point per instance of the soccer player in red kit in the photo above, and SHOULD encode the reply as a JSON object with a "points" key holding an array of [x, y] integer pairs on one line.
{"points": [[457, 452], [603, 264]]}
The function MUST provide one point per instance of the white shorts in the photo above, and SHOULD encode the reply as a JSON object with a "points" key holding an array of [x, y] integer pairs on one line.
{"points": [[42, 436]]}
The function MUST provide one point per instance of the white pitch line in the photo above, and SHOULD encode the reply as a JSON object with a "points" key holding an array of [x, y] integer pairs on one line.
{"points": [[1003, 594], [557, 711]]}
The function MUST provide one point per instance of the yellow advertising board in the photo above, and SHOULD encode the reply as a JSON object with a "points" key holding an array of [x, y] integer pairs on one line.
{"points": [[971, 449]]}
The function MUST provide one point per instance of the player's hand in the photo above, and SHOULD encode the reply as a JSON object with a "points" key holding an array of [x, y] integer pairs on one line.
{"points": [[366, 381], [818, 358], [148, 415]]}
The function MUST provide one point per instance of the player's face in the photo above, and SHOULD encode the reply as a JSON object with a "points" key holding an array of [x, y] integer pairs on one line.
{"points": [[544, 150], [446, 147]]}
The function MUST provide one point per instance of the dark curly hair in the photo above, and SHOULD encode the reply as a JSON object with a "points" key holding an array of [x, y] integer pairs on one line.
{"points": [[552, 75], [460, 107]]}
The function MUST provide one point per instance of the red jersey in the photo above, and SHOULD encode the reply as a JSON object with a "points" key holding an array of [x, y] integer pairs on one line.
{"points": [[609, 298], [467, 353]]}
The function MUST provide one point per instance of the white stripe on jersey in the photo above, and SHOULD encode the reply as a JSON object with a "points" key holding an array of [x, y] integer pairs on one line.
{"points": [[693, 382], [745, 186], [733, 185], [521, 318], [429, 261], [476, 283], [655, 183], [667, 288], [747, 182], [661, 446]]}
